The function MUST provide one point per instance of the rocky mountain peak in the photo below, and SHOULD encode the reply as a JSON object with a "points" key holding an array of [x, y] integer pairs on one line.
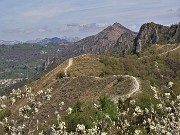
{"points": [[105, 40], [152, 33], [119, 26]]}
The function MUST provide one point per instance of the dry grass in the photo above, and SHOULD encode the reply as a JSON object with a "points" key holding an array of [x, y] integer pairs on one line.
{"points": [[86, 65]]}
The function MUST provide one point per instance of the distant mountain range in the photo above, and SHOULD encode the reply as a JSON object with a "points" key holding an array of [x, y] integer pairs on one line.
{"points": [[42, 41], [3, 42]]}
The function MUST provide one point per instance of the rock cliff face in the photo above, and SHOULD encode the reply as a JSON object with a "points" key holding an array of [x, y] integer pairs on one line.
{"points": [[125, 43], [151, 33]]}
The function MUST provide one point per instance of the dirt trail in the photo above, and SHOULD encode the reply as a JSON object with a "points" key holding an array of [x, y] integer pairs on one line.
{"points": [[162, 53], [134, 88], [68, 66], [135, 82], [169, 51]]}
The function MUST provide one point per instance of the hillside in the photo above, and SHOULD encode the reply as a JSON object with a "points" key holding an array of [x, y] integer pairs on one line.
{"points": [[79, 98]]}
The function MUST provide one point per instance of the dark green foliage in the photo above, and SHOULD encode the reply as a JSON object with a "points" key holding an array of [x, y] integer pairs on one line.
{"points": [[108, 107], [4, 113], [83, 113], [61, 75], [77, 107], [145, 101], [79, 118], [102, 74]]}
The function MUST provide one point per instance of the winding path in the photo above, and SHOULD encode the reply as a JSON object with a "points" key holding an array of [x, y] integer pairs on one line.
{"points": [[162, 53], [169, 51], [134, 88], [70, 62], [135, 82]]}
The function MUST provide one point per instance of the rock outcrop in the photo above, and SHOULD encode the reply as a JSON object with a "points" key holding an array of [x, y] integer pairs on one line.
{"points": [[151, 33], [125, 43]]}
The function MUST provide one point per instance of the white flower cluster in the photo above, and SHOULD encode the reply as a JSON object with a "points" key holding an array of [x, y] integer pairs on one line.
{"points": [[69, 110], [138, 110], [47, 94], [24, 111], [170, 84], [160, 118], [81, 129], [2, 105], [155, 92]]}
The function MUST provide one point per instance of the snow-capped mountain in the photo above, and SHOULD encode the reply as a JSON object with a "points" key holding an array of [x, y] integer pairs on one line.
{"points": [[33, 41], [42, 41], [3, 42]]}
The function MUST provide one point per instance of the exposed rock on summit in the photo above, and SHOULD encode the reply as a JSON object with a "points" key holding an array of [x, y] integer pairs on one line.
{"points": [[104, 41], [151, 33]]}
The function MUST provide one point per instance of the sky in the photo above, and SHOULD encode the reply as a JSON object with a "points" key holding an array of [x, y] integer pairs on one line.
{"points": [[30, 19]]}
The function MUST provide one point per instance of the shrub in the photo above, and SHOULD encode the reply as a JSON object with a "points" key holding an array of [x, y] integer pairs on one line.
{"points": [[79, 118], [145, 101], [108, 107], [82, 113], [4, 113], [61, 75], [77, 107]]}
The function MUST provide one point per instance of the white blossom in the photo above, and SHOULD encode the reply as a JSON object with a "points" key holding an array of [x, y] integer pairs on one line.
{"points": [[170, 84], [167, 95], [178, 97], [3, 106], [69, 110], [132, 102], [137, 132], [80, 127]]}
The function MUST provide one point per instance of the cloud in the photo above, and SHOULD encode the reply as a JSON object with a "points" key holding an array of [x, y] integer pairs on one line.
{"points": [[29, 31], [170, 10], [75, 27], [16, 30], [174, 12], [66, 30], [132, 27], [43, 30], [177, 12], [26, 31]]}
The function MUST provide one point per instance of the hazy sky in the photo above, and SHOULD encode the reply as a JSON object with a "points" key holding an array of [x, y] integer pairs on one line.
{"points": [[30, 19]]}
